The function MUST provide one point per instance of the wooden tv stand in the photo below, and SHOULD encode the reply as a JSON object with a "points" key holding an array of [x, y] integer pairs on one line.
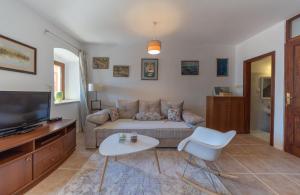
{"points": [[26, 159]]}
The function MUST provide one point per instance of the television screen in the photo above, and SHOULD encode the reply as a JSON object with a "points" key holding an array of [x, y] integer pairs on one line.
{"points": [[18, 109]]}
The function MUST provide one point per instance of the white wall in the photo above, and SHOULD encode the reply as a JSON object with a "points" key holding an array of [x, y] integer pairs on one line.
{"points": [[272, 39], [171, 84], [22, 24]]}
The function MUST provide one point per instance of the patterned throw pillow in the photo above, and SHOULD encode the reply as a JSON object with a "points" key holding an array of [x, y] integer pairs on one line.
{"points": [[166, 105], [148, 116], [113, 114], [174, 114], [191, 118], [98, 118]]}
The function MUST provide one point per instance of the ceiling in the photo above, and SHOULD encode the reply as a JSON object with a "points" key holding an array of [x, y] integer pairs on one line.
{"points": [[201, 21]]}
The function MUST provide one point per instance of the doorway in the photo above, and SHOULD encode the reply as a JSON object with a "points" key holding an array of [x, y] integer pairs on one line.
{"points": [[259, 82]]}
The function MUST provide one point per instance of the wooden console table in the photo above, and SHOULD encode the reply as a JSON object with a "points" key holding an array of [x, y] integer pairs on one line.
{"points": [[26, 159]]}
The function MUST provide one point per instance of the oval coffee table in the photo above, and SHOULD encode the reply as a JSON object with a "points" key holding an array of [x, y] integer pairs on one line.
{"points": [[111, 147]]}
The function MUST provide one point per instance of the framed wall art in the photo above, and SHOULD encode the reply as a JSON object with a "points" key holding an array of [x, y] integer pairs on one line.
{"points": [[120, 71], [100, 62], [17, 56], [222, 67], [149, 69], [190, 67]]}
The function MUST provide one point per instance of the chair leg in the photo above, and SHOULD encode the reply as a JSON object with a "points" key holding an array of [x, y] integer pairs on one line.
{"points": [[217, 173]]}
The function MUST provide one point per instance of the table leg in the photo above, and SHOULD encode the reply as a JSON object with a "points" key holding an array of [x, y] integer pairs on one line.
{"points": [[103, 172], [156, 158]]}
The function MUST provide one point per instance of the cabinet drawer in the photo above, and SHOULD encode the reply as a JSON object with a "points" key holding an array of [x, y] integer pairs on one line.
{"points": [[69, 141], [47, 156], [15, 175]]}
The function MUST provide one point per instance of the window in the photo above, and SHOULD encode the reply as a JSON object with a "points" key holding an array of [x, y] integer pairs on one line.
{"points": [[59, 81], [66, 76]]}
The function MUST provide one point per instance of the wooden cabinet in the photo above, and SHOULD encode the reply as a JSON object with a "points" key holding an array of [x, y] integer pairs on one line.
{"points": [[47, 156], [27, 158], [16, 174], [225, 113]]}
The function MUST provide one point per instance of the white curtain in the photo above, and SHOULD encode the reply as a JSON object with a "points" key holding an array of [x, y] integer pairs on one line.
{"points": [[83, 108]]}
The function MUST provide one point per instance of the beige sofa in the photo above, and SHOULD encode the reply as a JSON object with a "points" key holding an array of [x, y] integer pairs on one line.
{"points": [[169, 133]]}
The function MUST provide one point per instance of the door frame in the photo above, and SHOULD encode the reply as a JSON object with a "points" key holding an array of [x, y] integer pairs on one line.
{"points": [[247, 91], [288, 138]]}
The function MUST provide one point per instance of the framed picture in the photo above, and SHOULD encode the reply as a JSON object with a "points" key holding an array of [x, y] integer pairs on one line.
{"points": [[189, 67], [265, 87], [222, 67], [120, 71], [149, 69], [221, 90], [17, 56], [100, 62]]}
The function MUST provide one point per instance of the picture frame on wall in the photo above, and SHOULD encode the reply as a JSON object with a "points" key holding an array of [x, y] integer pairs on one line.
{"points": [[222, 67], [16, 56], [149, 69], [100, 62], [190, 67], [120, 71]]}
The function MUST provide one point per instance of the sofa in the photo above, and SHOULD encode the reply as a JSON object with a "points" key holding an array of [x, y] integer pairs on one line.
{"points": [[165, 120]]}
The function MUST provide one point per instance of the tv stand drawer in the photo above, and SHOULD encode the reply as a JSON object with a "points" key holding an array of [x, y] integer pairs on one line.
{"points": [[46, 157]]}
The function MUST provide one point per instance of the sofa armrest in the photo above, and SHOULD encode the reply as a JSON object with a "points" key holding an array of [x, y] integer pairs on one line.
{"points": [[192, 118], [90, 135]]}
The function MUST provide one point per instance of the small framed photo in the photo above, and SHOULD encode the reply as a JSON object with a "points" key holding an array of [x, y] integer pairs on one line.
{"points": [[149, 69], [222, 67], [100, 62], [120, 71], [190, 67]]}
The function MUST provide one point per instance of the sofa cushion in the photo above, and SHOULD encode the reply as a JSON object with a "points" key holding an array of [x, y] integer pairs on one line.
{"points": [[113, 114], [174, 114], [158, 129], [127, 109], [149, 106], [191, 118], [166, 105], [99, 117], [148, 116]]}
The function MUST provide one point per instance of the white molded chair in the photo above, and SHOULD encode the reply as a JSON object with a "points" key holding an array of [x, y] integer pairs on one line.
{"points": [[207, 145]]}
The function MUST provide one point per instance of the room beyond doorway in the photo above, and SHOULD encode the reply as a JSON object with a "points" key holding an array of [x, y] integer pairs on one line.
{"points": [[259, 81]]}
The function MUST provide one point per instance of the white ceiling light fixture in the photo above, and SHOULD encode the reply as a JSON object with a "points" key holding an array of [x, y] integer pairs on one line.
{"points": [[154, 46]]}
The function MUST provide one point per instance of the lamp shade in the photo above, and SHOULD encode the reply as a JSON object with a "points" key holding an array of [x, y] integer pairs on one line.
{"points": [[154, 47], [94, 87]]}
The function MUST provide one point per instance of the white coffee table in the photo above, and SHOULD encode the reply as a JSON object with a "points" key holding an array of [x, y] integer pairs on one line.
{"points": [[111, 147]]}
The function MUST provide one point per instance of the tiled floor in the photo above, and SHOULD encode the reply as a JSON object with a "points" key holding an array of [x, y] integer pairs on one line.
{"points": [[261, 169]]}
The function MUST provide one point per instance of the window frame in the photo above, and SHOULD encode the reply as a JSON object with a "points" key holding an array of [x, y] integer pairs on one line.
{"points": [[289, 29], [62, 66]]}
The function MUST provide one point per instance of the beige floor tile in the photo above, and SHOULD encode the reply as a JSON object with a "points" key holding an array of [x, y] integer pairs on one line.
{"points": [[53, 183], [236, 150], [229, 165], [246, 185], [280, 184], [76, 160], [254, 164]]}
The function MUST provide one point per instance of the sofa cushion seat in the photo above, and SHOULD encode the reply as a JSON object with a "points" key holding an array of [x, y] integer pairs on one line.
{"points": [[158, 129]]}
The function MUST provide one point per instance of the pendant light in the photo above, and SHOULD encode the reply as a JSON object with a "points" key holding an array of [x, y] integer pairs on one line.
{"points": [[154, 45]]}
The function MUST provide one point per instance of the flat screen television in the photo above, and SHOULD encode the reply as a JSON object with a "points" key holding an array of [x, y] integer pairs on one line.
{"points": [[22, 111]]}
